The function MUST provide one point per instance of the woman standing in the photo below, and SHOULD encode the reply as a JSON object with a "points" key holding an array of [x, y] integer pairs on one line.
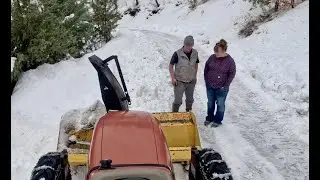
{"points": [[219, 71]]}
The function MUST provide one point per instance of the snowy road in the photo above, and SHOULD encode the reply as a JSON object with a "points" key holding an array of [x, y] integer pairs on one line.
{"points": [[254, 139]]}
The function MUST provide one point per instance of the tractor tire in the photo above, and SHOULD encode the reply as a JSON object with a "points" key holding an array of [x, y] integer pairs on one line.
{"points": [[207, 164], [52, 166]]}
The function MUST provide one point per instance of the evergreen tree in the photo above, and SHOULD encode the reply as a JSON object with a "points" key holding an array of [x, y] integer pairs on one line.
{"points": [[105, 17], [45, 31], [76, 18]]}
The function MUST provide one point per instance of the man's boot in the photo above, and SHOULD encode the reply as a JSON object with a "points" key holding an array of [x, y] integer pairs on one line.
{"points": [[188, 107], [175, 107]]}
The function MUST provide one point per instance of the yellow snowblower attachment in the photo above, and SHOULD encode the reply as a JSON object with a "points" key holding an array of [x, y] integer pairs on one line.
{"points": [[180, 130]]}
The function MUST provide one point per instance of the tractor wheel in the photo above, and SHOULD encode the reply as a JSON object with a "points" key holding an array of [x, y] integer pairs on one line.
{"points": [[208, 164], [52, 166]]}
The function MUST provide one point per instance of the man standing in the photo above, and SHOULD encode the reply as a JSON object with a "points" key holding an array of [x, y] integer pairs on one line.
{"points": [[184, 76]]}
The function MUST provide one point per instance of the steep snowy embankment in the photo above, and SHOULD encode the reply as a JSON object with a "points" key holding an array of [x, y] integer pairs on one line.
{"points": [[265, 133]]}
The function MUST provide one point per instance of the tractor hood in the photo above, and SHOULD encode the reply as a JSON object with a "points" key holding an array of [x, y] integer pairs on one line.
{"points": [[128, 137]]}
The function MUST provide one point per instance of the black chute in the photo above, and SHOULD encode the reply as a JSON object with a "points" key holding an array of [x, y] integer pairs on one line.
{"points": [[113, 96]]}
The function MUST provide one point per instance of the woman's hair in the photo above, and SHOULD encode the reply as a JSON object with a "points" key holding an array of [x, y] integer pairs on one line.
{"points": [[222, 43]]}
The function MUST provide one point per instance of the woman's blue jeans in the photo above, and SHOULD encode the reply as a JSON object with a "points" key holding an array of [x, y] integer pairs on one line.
{"points": [[219, 96]]}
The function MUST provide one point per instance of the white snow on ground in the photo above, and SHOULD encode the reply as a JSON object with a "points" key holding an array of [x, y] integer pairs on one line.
{"points": [[265, 131]]}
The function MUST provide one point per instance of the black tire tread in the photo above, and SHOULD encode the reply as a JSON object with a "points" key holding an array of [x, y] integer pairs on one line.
{"points": [[209, 168], [51, 165]]}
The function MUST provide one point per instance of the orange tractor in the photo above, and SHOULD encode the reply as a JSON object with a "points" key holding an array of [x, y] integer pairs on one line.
{"points": [[131, 145]]}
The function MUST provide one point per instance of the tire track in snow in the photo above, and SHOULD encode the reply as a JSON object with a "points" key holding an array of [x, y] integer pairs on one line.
{"points": [[265, 126], [274, 149], [245, 161], [263, 129], [151, 77]]}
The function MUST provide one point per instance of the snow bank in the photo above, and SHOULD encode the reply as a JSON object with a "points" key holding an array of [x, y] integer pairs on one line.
{"points": [[279, 58], [77, 119]]}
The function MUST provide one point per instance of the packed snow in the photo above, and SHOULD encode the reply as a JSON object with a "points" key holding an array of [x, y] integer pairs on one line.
{"points": [[265, 134]]}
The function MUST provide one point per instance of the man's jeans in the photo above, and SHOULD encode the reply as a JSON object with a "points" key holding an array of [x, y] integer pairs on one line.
{"points": [[216, 95]]}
